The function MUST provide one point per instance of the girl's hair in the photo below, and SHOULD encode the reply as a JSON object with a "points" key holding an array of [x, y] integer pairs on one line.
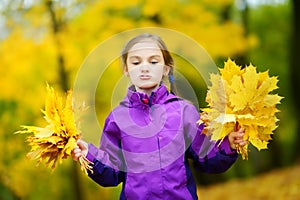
{"points": [[166, 54]]}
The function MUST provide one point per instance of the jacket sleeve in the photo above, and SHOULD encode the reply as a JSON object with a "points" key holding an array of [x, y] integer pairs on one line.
{"points": [[208, 156], [108, 159]]}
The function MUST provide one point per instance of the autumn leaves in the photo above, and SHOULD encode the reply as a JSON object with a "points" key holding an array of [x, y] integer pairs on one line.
{"points": [[56, 141], [241, 97]]}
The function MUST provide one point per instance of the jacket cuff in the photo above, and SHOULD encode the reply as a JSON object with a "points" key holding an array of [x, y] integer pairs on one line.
{"points": [[92, 151], [225, 146]]}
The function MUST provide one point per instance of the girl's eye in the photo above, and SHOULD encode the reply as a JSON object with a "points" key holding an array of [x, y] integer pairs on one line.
{"points": [[135, 62], [153, 62]]}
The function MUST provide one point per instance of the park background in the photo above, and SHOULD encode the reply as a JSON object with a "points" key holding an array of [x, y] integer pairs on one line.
{"points": [[46, 41]]}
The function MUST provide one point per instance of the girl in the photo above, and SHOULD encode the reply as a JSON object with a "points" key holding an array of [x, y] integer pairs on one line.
{"points": [[148, 139]]}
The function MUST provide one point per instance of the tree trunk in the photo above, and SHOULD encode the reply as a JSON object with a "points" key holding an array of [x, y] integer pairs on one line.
{"points": [[57, 26], [242, 59], [295, 69]]}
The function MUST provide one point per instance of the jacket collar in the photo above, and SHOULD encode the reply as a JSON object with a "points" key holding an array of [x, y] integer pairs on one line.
{"points": [[136, 99]]}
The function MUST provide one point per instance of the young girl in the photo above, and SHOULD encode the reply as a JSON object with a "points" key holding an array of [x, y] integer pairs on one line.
{"points": [[148, 139]]}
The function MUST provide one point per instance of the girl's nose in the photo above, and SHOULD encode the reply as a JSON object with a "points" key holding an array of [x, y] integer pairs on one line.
{"points": [[144, 68]]}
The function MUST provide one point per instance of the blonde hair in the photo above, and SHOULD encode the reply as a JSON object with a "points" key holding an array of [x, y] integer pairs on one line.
{"points": [[160, 43]]}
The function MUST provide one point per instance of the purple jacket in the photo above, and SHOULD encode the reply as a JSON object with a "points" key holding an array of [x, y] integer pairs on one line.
{"points": [[146, 144]]}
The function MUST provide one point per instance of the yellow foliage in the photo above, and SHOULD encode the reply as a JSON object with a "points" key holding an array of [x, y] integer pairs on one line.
{"points": [[104, 18], [219, 3], [56, 141], [241, 98]]}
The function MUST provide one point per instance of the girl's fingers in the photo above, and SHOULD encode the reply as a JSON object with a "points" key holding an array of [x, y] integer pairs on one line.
{"points": [[239, 135], [241, 143], [76, 150], [237, 138], [239, 132], [81, 144], [76, 153]]}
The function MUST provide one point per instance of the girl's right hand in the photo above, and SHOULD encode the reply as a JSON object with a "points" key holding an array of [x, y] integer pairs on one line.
{"points": [[80, 150]]}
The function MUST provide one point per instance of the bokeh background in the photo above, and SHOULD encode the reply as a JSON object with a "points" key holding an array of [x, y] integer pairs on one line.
{"points": [[46, 41]]}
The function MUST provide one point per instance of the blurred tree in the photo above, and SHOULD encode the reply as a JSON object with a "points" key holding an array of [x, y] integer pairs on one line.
{"points": [[58, 22], [241, 57], [295, 66], [27, 63], [272, 53]]}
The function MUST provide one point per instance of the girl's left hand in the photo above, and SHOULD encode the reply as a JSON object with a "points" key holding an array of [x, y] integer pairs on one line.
{"points": [[237, 138]]}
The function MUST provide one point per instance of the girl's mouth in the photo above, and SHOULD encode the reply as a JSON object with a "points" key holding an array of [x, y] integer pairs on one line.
{"points": [[145, 77]]}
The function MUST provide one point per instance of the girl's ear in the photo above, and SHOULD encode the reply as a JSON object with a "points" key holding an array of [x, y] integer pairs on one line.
{"points": [[166, 70], [125, 70]]}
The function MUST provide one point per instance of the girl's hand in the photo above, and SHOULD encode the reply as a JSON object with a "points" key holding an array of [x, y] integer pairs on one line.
{"points": [[237, 138], [80, 150]]}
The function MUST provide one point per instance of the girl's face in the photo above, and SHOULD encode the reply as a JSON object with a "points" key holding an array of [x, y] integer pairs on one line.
{"points": [[145, 66]]}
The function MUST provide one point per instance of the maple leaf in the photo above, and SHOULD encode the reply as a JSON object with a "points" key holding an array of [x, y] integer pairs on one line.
{"points": [[230, 70], [241, 97], [217, 98], [56, 141]]}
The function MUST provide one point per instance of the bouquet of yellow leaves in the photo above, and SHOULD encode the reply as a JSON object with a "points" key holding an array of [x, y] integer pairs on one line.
{"points": [[241, 98], [56, 141]]}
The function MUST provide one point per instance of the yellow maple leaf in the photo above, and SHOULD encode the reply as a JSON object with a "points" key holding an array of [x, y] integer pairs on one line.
{"points": [[56, 141], [241, 97], [217, 98], [230, 70], [238, 98]]}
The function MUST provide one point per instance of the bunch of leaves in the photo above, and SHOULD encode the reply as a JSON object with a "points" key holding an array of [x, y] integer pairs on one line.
{"points": [[240, 98], [58, 138]]}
